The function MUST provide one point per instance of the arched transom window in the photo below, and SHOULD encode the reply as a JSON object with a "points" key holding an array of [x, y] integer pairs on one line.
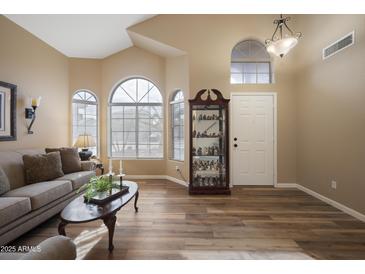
{"points": [[85, 117], [177, 126], [250, 63], [136, 120]]}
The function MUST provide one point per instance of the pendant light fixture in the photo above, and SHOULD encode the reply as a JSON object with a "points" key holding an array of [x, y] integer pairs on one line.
{"points": [[280, 44]]}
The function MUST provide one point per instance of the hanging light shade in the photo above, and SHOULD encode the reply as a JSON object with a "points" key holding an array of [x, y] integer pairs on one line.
{"points": [[280, 44]]}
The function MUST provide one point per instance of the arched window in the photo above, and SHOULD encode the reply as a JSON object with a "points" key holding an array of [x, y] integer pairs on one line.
{"points": [[250, 63], [136, 120], [85, 117], [177, 125]]}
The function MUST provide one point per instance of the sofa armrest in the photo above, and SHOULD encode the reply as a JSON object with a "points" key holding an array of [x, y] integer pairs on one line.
{"points": [[88, 165], [55, 248]]}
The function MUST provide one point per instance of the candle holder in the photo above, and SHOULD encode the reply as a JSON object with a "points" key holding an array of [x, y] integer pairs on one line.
{"points": [[121, 175]]}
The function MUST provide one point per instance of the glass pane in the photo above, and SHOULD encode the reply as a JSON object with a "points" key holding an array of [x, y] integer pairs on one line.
{"points": [[117, 112], [117, 137], [91, 120], [129, 124], [154, 96], [156, 112], [178, 96], [144, 151], [143, 87], [156, 138], [236, 79], [130, 112], [143, 137], [156, 124], [129, 151], [249, 67], [144, 112], [263, 68], [129, 137], [144, 124], [130, 87], [90, 109], [263, 78], [249, 78], [236, 68], [117, 124], [120, 96], [156, 151]]}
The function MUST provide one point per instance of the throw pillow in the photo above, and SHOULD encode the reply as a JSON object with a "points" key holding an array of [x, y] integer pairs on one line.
{"points": [[42, 167], [70, 159], [4, 182]]}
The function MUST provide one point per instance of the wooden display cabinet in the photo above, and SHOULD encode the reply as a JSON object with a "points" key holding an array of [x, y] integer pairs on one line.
{"points": [[209, 148]]}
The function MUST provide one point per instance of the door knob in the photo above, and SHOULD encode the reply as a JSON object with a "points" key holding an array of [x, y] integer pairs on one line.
{"points": [[235, 145], [234, 139]]}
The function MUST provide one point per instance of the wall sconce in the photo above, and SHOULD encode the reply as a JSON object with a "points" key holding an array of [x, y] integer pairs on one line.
{"points": [[30, 112]]}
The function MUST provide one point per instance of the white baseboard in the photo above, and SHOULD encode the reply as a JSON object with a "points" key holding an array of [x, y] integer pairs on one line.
{"points": [[333, 203], [286, 185], [178, 181], [156, 177]]}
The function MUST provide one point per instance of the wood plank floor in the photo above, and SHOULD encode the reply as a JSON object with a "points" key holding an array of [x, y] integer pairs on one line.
{"points": [[252, 223]]}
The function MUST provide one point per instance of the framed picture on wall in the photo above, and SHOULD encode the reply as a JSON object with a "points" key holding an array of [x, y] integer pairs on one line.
{"points": [[7, 111]]}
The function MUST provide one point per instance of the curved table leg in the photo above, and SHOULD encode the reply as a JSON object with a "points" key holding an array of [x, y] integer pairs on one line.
{"points": [[61, 228], [110, 224], [135, 201]]}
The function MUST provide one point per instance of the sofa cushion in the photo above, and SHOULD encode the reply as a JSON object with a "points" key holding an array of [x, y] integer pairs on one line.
{"points": [[70, 159], [78, 178], [42, 167], [41, 194], [4, 182], [13, 208]]}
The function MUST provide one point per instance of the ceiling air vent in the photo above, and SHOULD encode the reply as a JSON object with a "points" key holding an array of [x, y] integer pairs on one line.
{"points": [[342, 43]]}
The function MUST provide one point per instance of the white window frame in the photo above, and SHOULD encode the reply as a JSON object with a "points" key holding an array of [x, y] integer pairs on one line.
{"points": [[173, 103], [96, 103], [111, 104], [251, 60]]}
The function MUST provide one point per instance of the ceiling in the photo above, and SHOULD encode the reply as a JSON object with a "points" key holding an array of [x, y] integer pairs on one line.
{"points": [[83, 36]]}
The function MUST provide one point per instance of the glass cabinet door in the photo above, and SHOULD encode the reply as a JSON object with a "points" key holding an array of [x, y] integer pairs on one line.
{"points": [[208, 147]]}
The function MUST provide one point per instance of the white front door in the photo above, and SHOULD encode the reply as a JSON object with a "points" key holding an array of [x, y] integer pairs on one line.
{"points": [[252, 139]]}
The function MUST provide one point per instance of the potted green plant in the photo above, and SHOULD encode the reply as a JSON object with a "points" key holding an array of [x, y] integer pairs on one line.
{"points": [[97, 185]]}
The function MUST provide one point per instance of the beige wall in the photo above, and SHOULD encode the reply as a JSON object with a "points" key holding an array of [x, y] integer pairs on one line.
{"points": [[177, 77], [37, 70], [131, 62], [208, 41], [331, 112]]}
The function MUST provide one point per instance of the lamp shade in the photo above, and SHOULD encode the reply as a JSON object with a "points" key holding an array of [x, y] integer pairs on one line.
{"points": [[85, 140], [283, 46]]}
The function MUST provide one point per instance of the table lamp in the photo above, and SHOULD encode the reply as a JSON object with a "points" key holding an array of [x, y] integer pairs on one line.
{"points": [[85, 141]]}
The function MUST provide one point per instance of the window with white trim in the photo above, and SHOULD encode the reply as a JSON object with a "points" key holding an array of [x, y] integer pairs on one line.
{"points": [[136, 120], [250, 63], [177, 126], [85, 116]]}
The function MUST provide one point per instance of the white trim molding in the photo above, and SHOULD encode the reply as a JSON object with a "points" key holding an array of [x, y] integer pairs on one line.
{"points": [[286, 185], [333, 203], [275, 124], [157, 177]]}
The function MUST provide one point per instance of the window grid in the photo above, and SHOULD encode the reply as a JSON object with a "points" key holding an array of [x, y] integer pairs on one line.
{"points": [[137, 122], [177, 126], [241, 76], [84, 121]]}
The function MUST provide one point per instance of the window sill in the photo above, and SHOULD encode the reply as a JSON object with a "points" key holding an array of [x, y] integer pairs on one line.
{"points": [[178, 161]]}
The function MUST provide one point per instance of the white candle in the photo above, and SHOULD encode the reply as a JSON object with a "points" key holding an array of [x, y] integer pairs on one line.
{"points": [[110, 166]]}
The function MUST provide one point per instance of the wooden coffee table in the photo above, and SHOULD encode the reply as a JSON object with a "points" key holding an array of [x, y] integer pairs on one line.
{"points": [[80, 212]]}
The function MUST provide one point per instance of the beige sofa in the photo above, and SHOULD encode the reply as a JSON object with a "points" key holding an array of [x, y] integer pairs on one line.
{"points": [[26, 206], [54, 248]]}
